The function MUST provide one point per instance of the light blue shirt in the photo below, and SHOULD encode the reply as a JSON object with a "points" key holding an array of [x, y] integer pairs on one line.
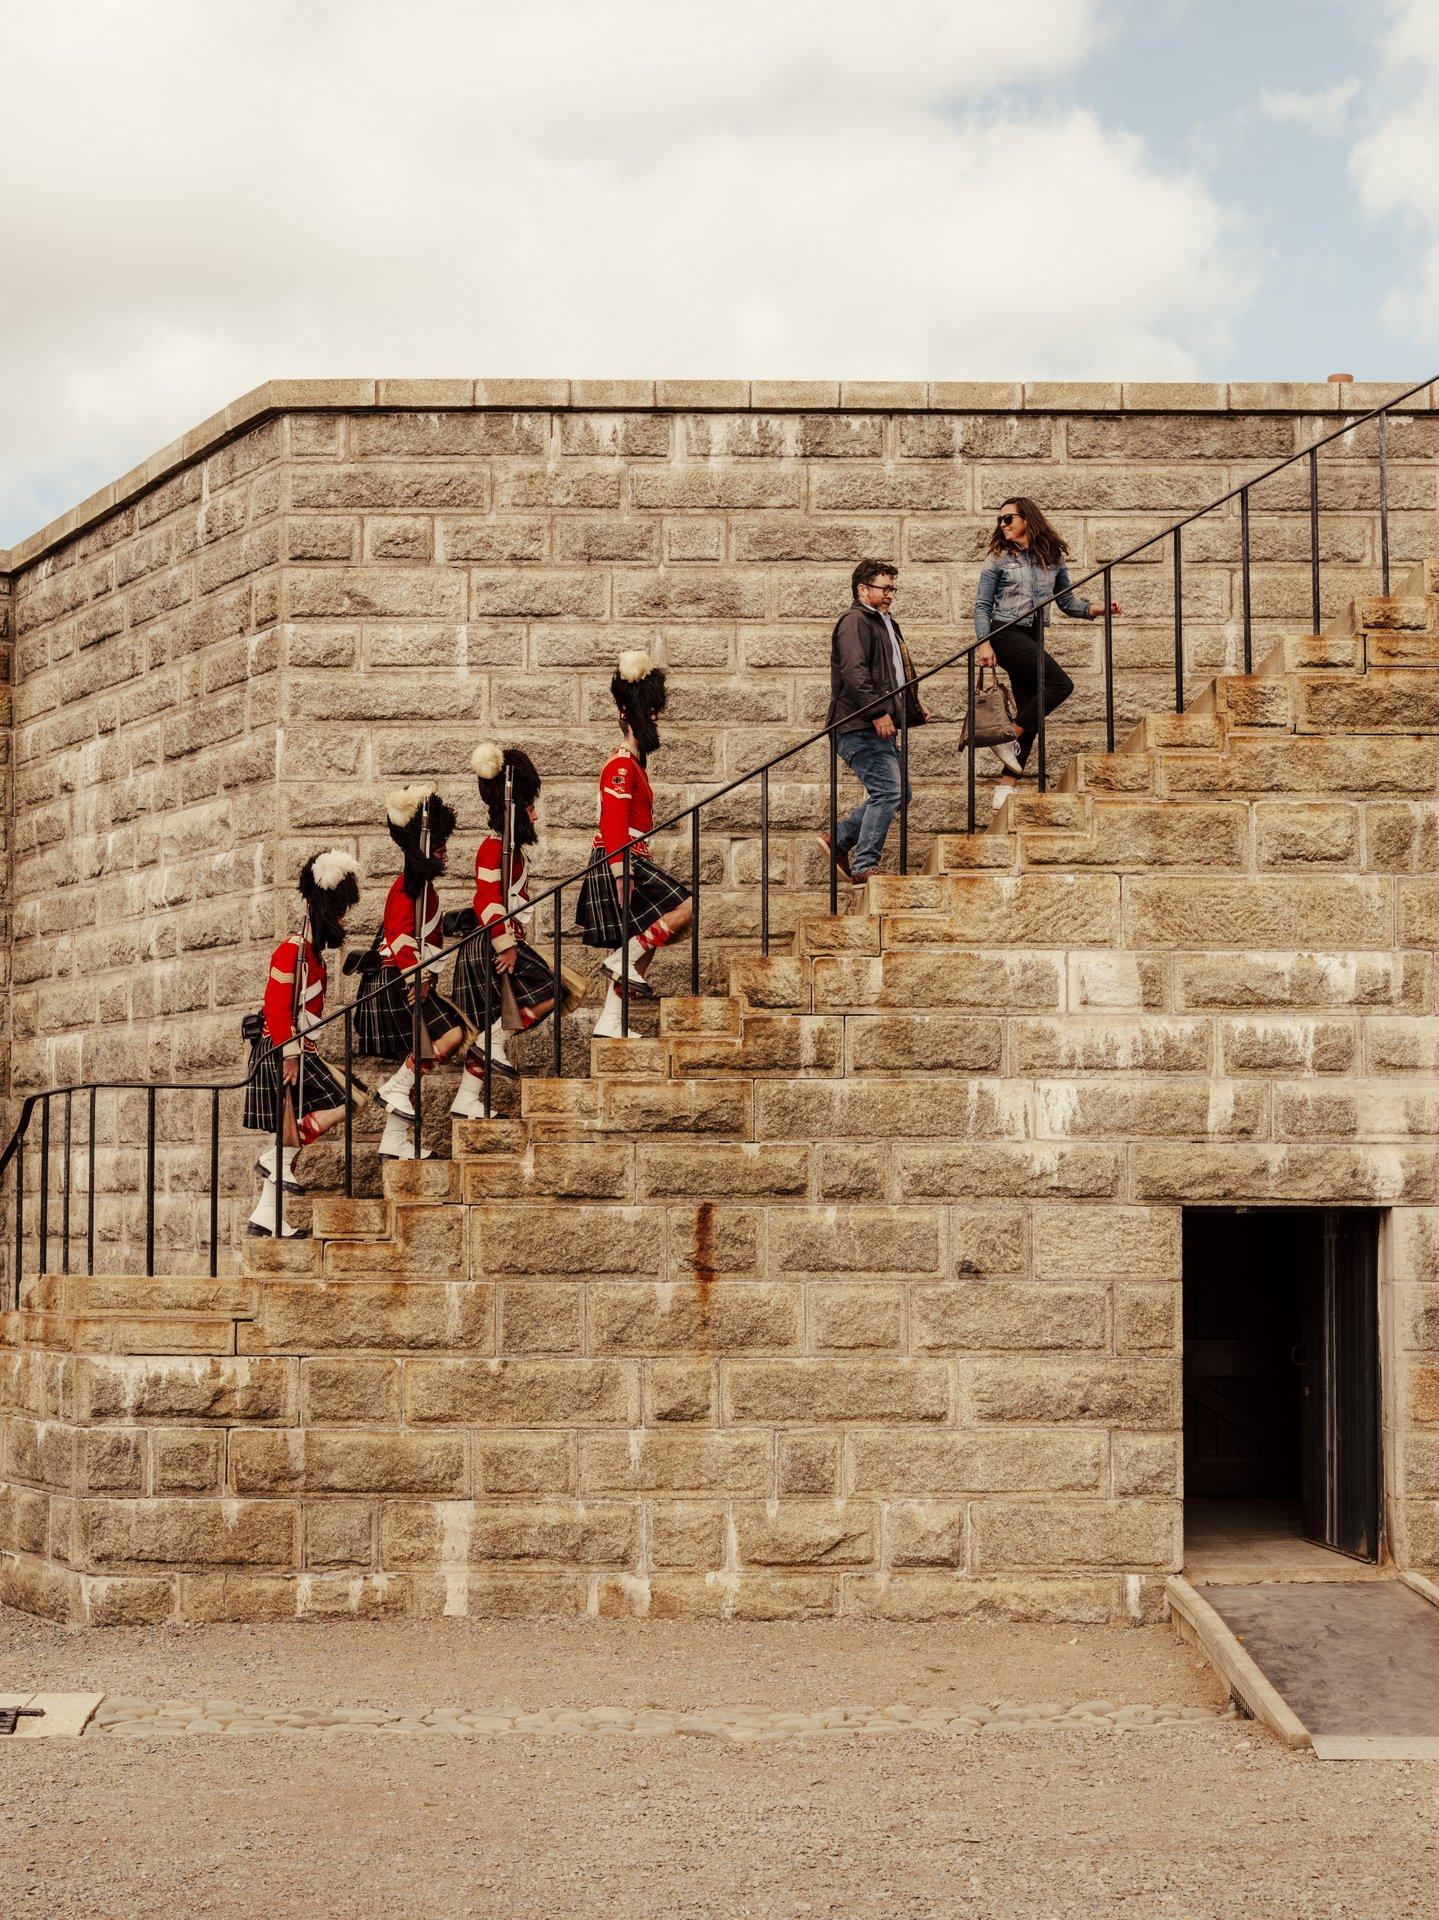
{"points": [[899, 673]]}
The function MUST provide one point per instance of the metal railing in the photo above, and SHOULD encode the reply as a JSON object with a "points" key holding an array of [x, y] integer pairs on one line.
{"points": [[689, 816]]}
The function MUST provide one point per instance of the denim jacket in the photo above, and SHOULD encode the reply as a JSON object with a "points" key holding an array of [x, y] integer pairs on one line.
{"points": [[1012, 584]]}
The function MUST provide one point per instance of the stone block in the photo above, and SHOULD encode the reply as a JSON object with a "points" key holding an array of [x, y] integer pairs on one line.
{"points": [[828, 1240], [1146, 1463], [554, 1170], [854, 1170], [1009, 1172], [932, 1043], [111, 1534], [1275, 910], [1312, 834], [683, 1391], [925, 1533], [739, 1171], [647, 1461], [541, 1316], [686, 1533], [314, 1461], [1050, 1460], [801, 1533], [954, 1109], [1017, 910], [682, 1107], [1136, 1393], [818, 1392], [1034, 1533], [1253, 1174], [521, 1393], [320, 1316], [375, 593], [1288, 1044], [808, 1463], [1356, 1110], [1146, 1317], [185, 1460], [1262, 981], [339, 1533], [107, 1460], [524, 1463], [996, 1315], [186, 1389], [1150, 1109], [718, 1316], [1399, 1045], [989, 1242], [948, 1594], [567, 1241], [858, 1317], [1104, 1243], [461, 1533], [1151, 1043], [747, 485]]}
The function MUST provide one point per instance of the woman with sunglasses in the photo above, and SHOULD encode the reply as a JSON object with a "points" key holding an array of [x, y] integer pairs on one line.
{"points": [[1026, 566]]}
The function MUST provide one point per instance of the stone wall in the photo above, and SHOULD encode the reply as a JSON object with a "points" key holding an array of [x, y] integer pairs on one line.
{"points": [[856, 1289], [7, 824], [225, 659]]}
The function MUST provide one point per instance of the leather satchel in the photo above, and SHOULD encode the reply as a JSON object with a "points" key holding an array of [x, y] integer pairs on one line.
{"points": [[992, 715]]}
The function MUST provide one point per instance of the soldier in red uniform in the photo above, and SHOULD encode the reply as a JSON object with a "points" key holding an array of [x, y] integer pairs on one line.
{"points": [[420, 825], [659, 904], [521, 989], [284, 1064]]}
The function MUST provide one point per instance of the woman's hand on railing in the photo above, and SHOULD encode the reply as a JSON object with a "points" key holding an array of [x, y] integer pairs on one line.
{"points": [[984, 656], [1098, 612]]}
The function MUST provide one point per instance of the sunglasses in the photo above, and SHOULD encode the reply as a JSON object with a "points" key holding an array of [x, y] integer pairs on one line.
{"points": [[1005, 518]]}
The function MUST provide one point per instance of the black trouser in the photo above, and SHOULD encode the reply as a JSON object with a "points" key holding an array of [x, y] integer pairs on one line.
{"points": [[1018, 652]]}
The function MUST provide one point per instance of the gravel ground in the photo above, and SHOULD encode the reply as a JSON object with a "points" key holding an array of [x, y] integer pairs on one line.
{"points": [[1206, 1818]]}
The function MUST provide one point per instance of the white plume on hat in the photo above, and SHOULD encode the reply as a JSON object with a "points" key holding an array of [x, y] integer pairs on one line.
{"points": [[635, 663], [332, 867], [404, 803], [487, 759]]}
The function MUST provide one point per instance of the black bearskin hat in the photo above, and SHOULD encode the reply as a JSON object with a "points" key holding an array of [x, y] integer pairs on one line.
{"points": [[490, 763], [410, 811], [330, 885], [639, 693]]}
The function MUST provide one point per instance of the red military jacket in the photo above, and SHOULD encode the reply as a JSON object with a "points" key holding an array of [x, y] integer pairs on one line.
{"points": [[627, 807], [398, 946], [489, 907], [281, 998]]}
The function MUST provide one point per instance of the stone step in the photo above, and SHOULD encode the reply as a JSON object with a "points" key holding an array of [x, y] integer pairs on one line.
{"points": [[421, 1180], [280, 1256], [770, 980], [489, 1139], [1020, 909], [1252, 700], [1187, 729], [1397, 613], [1113, 772], [336, 1217], [800, 1046], [635, 1058], [1136, 835], [1400, 649], [837, 933], [166, 1293], [701, 1013]]}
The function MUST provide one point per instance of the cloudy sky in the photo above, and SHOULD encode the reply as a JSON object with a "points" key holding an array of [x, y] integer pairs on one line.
{"points": [[198, 197]]}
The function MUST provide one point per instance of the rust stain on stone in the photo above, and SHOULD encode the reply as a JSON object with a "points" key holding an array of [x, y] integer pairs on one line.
{"points": [[704, 1257]]}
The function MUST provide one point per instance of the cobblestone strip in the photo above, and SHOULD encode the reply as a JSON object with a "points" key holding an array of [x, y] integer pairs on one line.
{"points": [[160, 1719]]}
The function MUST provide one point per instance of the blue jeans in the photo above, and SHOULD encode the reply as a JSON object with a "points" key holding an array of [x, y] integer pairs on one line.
{"points": [[875, 763]]}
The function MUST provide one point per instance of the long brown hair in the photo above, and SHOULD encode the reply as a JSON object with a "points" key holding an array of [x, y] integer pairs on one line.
{"points": [[1045, 542]]}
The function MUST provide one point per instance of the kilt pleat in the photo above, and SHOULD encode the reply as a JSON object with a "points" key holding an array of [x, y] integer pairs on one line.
{"points": [[320, 1088], [653, 893], [530, 980], [384, 1024]]}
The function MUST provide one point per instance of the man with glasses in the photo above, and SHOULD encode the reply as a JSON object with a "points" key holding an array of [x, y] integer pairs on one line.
{"points": [[869, 702]]}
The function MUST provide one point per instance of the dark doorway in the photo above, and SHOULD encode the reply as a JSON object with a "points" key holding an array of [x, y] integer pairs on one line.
{"points": [[1281, 1381]]}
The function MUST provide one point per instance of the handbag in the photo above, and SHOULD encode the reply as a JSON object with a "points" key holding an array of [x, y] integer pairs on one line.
{"points": [[252, 1027], [992, 715]]}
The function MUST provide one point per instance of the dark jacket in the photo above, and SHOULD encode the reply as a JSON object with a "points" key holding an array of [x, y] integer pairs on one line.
{"points": [[861, 667]]}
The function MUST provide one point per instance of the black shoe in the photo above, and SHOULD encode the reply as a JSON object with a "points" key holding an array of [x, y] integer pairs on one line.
{"points": [[268, 1233]]}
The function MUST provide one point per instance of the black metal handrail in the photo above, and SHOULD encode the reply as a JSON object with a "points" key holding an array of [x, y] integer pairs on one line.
{"points": [[14, 1149]]}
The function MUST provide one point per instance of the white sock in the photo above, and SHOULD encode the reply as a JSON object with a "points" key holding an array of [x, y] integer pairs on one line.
{"points": [[607, 1027], [287, 1158]]}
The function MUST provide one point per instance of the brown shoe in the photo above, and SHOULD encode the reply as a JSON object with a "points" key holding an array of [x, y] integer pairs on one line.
{"points": [[837, 854]]}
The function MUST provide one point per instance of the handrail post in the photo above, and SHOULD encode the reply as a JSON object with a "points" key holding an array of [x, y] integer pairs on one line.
{"points": [[833, 821], [214, 1181], [904, 791], [1384, 504], [19, 1215], [44, 1185], [694, 902], [1314, 535], [90, 1186], [1039, 694], [557, 1037], [764, 860], [349, 1026], [1178, 623], [969, 744], [65, 1196], [1247, 585], [625, 942], [1108, 662], [150, 1095]]}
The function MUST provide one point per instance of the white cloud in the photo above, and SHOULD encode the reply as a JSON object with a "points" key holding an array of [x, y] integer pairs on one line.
{"points": [[1396, 167], [199, 199], [1320, 112]]}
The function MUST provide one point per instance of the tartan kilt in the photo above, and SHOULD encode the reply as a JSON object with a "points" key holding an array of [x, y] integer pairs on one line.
{"points": [[320, 1087], [531, 982], [653, 893], [384, 1025]]}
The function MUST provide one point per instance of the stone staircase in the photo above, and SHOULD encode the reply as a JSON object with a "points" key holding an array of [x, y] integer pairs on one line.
{"points": [[852, 1289]]}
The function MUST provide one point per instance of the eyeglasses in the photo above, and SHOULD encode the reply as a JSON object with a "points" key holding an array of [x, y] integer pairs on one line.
{"points": [[1005, 518], [888, 591]]}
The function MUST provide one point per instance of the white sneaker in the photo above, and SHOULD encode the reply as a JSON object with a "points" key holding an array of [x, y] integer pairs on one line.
{"points": [[1007, 753], [614, 965], [398, 1091], [261, 1224], [397, 1142], [265, 1165], [607, 1027], [469, 1100]]}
